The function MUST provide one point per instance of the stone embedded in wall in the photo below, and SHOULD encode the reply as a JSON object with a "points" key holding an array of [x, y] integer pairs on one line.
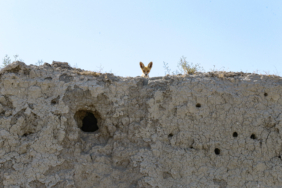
{"points": [[66, 127]]}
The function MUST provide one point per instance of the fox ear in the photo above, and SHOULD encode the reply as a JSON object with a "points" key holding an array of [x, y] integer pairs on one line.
{"points": [[150, 64], [141, 65]]}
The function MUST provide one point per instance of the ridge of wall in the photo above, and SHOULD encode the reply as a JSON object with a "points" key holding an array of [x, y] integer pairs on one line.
{"points": [[66, 127]]}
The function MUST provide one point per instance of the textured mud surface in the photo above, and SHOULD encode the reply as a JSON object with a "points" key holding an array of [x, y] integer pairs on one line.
{"points": [[64, 127]]}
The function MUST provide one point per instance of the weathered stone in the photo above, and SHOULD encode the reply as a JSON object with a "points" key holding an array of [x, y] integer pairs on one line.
{"points": [[66, 127]]}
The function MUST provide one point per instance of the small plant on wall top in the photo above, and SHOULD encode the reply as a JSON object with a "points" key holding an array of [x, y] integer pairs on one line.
{"points": [[7, 60], [184, 67]]}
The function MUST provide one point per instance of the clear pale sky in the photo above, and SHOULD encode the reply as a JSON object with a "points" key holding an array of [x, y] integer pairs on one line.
{"points": [[233, 35]]}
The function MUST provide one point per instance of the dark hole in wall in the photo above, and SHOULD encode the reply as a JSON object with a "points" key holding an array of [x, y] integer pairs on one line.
{"points": [[55, 101], [235, 134], [89, 123], [170, 135], [265, 94], [253, 136], [217, 151], [198, 105], [48, 78], [26, 134]]}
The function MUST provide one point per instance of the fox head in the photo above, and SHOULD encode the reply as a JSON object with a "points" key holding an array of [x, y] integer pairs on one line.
{"points": [[146, 70]]}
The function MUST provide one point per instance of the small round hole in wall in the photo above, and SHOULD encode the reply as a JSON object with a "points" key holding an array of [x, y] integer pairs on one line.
{"points": [[53, 102], [86, 121], [265, 94], [170, 135], [27, 134], [253, 136], [235, 134], [217, 151], [198, 105]]}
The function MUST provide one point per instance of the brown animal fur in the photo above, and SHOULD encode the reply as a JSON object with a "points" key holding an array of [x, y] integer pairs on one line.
{"points": [[146, 70]]}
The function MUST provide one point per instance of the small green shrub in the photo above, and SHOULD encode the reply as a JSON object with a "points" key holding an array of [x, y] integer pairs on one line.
{"points": [[6, 61]]}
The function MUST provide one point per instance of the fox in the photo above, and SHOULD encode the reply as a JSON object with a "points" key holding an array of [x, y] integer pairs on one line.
{"points": [[146, 70]]}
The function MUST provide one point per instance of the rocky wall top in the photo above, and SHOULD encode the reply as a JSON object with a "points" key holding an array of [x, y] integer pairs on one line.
{"points": [[65, 127]]}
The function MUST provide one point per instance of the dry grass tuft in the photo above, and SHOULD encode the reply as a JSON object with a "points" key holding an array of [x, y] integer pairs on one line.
{"points": [[187, 67], [89, 73]]}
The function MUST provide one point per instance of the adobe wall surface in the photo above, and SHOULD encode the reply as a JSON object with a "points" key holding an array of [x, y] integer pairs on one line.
{"points": [[206, 130]]}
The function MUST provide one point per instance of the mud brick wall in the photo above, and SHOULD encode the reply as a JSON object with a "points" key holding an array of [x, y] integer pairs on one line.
{"points": [[66, 127]]}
